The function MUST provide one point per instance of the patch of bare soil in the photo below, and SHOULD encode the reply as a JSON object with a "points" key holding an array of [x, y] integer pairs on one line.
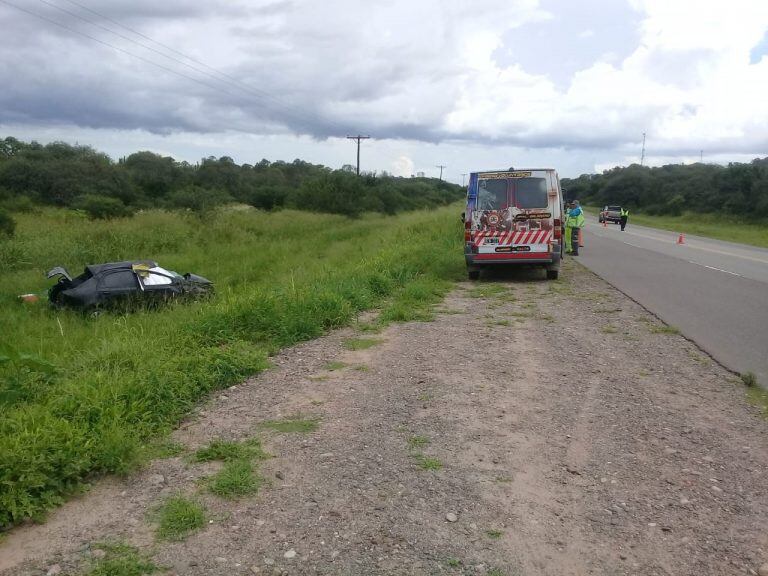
{"points": [[533, 428]]}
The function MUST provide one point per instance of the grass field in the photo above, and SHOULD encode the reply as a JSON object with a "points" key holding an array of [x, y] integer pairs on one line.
{"points": [[88, 395], [708, 225]]}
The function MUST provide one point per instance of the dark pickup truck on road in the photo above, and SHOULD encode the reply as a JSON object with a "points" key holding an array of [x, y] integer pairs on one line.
{"points": [[610, 214]]}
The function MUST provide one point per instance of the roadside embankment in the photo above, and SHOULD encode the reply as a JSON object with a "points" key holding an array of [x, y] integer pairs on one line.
{"points": [[529, 427]]}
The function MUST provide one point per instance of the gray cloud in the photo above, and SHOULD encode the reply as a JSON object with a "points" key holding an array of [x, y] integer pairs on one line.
{"points": [[403, 71]]}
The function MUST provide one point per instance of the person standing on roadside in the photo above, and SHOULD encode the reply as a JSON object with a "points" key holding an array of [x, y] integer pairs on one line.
{"points": [[567, 233], [573, 225], [623, 217]]}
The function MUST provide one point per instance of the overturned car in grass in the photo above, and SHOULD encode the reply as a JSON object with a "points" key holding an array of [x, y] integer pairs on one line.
{"points": [[116, 285]]}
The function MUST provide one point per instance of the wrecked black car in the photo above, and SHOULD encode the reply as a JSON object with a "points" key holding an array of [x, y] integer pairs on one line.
{"points": [[121, 284]]}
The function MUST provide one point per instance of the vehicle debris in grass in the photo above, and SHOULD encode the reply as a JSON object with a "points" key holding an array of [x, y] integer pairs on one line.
{"points": [[118, 283]]}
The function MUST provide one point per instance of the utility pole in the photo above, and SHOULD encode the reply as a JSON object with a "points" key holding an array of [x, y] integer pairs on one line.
{"points": [[358, 138], [701, 156], [463, 174], [441, 170], [642, 154]]}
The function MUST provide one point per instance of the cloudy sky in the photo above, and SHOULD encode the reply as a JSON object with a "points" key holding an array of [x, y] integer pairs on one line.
{"points": [[470, 84]]}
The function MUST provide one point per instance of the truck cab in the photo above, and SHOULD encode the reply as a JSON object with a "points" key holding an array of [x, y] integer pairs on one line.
{"points": [[514, 218]]}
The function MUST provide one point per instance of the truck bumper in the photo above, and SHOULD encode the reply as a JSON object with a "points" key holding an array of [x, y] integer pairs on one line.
{"points": [[549, 259]]}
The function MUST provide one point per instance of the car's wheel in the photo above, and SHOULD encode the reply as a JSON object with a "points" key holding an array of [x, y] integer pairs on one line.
{"points": [[54, 295], [552, 274], [93, 311], [473, 274]]}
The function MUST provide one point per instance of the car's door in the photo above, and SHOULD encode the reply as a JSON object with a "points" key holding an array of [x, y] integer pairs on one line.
{"points": [[116, 284]]}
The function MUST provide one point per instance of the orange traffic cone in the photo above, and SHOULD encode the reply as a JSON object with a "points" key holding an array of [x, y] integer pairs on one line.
{"points": [[681, 239], [581, 239]]}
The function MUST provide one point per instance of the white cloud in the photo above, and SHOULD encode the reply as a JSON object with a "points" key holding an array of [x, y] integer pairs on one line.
{"points": [[593, 78], [403, 166]]}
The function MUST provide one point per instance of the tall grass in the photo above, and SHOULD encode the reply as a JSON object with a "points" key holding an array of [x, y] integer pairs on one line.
{"points": [[121, 380]]}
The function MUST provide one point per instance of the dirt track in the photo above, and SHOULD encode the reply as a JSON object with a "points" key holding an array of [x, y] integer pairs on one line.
{"points": [[574, 439]]}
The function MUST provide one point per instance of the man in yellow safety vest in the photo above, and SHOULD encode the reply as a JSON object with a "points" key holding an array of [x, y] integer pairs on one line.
{"points": [[623, 216], [574, 222]]}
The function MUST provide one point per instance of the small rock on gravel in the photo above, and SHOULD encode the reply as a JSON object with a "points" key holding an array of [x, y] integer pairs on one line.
{"points": [[55, 569], [156, 479], [451, 517], [763, 570], [290, 554]]}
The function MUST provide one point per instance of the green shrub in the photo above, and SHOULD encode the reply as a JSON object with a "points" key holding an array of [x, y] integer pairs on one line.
{"points": [[292, 425], [228, 451], [178, 517], [235, 480], [198, 199], [121, 560], [749, 379], [102, 207], [7, 224], [20, 203]]}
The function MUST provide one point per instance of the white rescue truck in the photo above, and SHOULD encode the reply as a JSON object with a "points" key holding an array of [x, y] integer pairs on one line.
{"points": [[513, 218]]}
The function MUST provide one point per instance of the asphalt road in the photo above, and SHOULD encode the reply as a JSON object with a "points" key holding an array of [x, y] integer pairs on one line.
{"points": [[715, 292]]}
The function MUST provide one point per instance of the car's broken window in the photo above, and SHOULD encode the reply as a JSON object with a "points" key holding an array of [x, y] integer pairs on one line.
{"points": [[118, 280], [157, 276]]}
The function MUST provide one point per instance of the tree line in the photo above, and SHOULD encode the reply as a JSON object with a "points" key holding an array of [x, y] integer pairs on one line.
{"points": [[80, 177], [738, 189]]}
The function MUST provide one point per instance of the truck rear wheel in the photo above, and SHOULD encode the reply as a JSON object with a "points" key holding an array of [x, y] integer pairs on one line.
{"points": [[473, 274], [552, 274]]}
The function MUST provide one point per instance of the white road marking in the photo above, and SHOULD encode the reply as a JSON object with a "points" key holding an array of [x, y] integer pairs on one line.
{"points": [[713, 268], [660, 237]]}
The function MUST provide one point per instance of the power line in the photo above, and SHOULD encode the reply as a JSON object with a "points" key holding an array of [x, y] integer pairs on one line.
{"points": [[146, 60], [358, 138], [228, 79], [124, 27], [308, 122], [441, 170]]}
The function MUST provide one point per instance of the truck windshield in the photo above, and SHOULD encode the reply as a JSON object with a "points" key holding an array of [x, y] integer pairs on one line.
{"points": [[492, 194], [501, 193], [530, 192]]}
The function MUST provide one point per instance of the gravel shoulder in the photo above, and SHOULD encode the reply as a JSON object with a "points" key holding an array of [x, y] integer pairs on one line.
{"points": [[532, 428]]}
